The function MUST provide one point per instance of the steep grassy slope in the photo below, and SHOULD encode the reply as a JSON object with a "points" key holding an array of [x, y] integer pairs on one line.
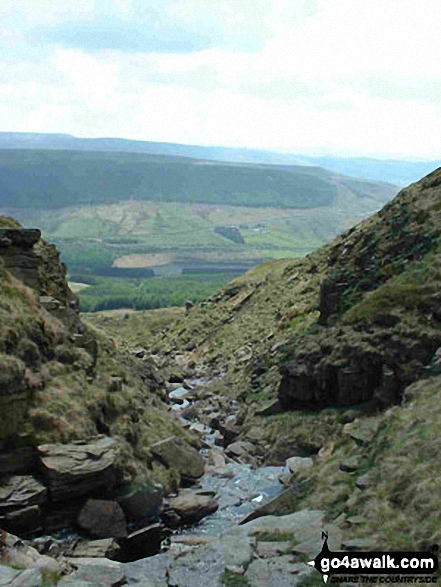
{"points": [[342, 338], [58, 376]]}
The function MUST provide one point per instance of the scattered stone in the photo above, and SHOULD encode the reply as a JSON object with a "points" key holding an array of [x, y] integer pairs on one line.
{"points": [[272, 549], [96, 573], [296, 464], [177, 454], [17, 554], [239, 448], [7, 575], [235, 569], [107, 548], [326, 450], [286, 479], [216, 457], [21, 491], [350, 465], [277, 572], [279, 505], [191, 506], [229, 432], [103, 519], [177, 393], [191, 540], [139, 353], [362, 431], [206, 565], [28, 578], [78, 468], [190, 412], [143, 543], [142, 505], [357, 544], [290, 523], [270, 408], [364, 481], [149, 572], [199, 428]]}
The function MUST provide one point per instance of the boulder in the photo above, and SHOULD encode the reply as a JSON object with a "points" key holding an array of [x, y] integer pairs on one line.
{"points": [[150, 572], [239, 448], [15, 553], [23, 521], [230, 432], [7, 575], [279, 505], [362, 431], [28, 578], [178, 393], [96, 573], [350, 464], [71, 470], [273, 549], [177, 454], [143, 543], [103, 519], [279, 571], [143, 504], [107, 548], [364, 481], [190, 507], [296, 464], [284, 524], [21, 491]]}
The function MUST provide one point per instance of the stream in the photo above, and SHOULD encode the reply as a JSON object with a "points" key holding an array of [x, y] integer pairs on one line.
{"points": [[239, 488]]}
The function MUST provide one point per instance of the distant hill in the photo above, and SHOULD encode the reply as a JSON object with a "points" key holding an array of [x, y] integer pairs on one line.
{"points": [[48, 179], [399, 172]]}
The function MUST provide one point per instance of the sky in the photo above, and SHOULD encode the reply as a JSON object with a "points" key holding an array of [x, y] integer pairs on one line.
{"points": [[340, 77]]}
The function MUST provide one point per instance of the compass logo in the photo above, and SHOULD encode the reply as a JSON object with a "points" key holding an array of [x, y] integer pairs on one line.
{"points": [[376, 563]]}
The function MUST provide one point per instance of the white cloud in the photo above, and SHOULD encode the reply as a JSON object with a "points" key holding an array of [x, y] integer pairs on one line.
{"points": [[338, 75]]}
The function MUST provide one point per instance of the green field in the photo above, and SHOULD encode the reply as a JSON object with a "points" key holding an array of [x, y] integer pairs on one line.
{"points": [[132, 216], [114, 247], [157, 292]]}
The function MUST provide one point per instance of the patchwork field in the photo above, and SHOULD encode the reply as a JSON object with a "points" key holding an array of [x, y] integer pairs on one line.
{"points": [[121, 219]]}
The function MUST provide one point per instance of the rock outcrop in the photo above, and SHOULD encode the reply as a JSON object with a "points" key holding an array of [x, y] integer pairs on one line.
{"points": [[176, 454], [71, 470], [190, 507]]}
